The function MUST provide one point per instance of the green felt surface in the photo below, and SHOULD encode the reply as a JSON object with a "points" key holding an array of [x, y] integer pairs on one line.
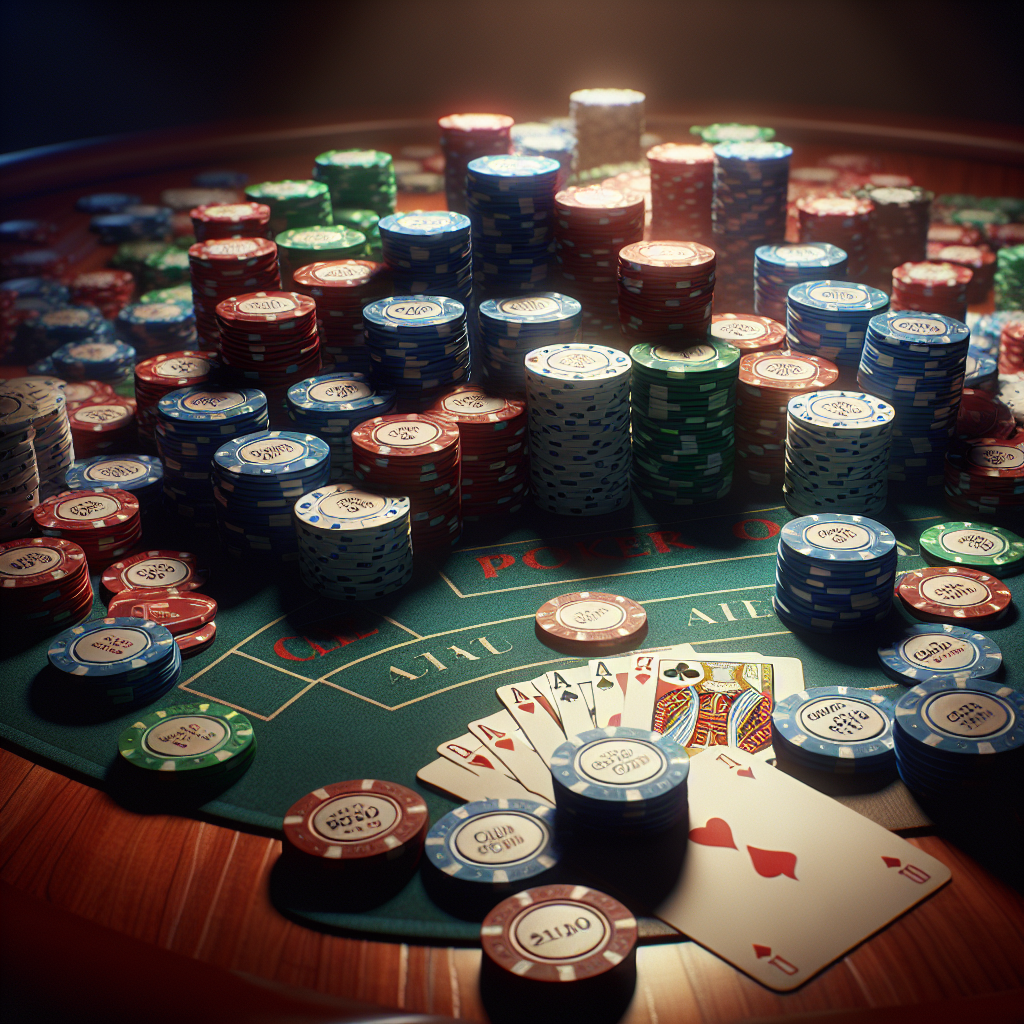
{"points": [[337, 691]]}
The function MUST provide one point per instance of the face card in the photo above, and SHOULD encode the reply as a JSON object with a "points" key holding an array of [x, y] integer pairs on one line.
{"points": [[507, 742], [779, 879], [533, 714], [567, 697]]}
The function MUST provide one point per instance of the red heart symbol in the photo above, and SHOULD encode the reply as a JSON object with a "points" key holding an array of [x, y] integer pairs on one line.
{"points": [[715, 833], [772, 863], [505, 744], [528, 708], [747, 773]]}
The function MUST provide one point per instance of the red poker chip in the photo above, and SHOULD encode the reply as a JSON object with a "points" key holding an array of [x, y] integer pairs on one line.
{"points": [[645, 257], [338, 275], [180, 611], [174, 370], [77, 392], [982, 414], [146, 570], [936, 276], [591, 618], [94, 512], [954, 594], [197, 640], [996, 458], [221, 252], [267, 308], [33, 562], [953, 234], [791, 372], [834, 206], [471, 405], [748, 332], [413, 436], [102, 415], [476, 123]]}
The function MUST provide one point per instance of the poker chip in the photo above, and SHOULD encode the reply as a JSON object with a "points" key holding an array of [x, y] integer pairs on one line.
{"points": [[158, 327], [980, 260], [933, 650], [166, 268], [839, 729], [106, 202], [985, 475], [954, 594], [712, 134], [959, 739], [509, 329], [354, 544], [591, 621], [106, 360], [834, 573], [298, 247], [577, 399], [330, 405], [44, 584], [621, 780], [916, 361], [975, 545], [592, 222], [187, 744], [256, 479], [748, 211], [230, 220], [899, 225], [137, 221], [778, 267], [547, 142], [107, 290], [932, 288], [141, 474], [607, 124], [116, 662], [179, 571], [358, 178], [183, 199], [418, 346], [665, 290], [465, 137], [681, 187], [1009, 278], [180, 612], [981, 371], [160, 375], [102, 425], [842, 221], [1011, 344], [293, 203], [429, 252], [748, 332], [418, 456], [767, 382], [105, 522], [493, 447], [683, 402], [367, 223], [983, 415], [340, 289], [197, 640], [952, 234]]}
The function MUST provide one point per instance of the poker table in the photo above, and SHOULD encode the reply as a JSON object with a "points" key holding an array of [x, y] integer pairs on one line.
{"points": [[337, 691]]}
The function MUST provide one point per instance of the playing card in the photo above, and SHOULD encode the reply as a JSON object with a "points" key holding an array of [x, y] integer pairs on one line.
{"points": [[533, 714], [568, 699], [641, 684], [503, 738], [468, 751], [779, 879], [608, 677], [466, 786]]}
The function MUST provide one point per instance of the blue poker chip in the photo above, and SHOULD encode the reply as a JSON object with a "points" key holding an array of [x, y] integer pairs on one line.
{"points": [[106, 202], [136, 473], [433, 315], [837, 297], [835, 539], [933, 649], [905, 328], [801, 256], [419, 224], [347, 510], [531, 313], [275, 454], [122, 649], [752, 152], [197, 409]]}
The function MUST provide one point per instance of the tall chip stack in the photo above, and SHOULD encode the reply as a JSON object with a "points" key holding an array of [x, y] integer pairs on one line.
{"points": [[916, 362], [985, 478], [1011, 345], [682, 184], [980, 260], [592, 223], [160, 375], [299, 247], [153, 328], [465, 137], [18, 467], [607, 124], [361, 179], [578, 409], [932, 288], [683, 402], [44, 584], [510, 201], [293, 204], [898, 228], [1009, 277], [230, 220], [843, 221], [748, 210], [778, 267], [429, 252], [37, 403]]}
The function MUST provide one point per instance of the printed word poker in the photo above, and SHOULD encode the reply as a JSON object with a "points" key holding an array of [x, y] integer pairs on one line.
{"points": [[560, 537]]}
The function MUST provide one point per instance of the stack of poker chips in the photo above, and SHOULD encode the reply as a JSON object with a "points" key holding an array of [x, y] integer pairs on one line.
{"points": [[607, 124], [492, 432], [634, 181], [712, 134], [778, 267], [330, 405], [103, 359], [116, 662], [932, 288], [354, 545], [157, 327], [189, 747], [182, 200], [578, 408], [646, 796], [1011, 345], [930, 649], [153, 573], [838, 447], [975, 545], [682, 411], [132, 256], [830, 319], [143, 475], [256, 480], [899, 228], [162, 374], [293, 204], [167, 268], [223, 268], [999, 236], [592, 223], [19, 471], [980, 260], [834, 573], [35, 410], [807, 183], [102, 425], [139, 221], [298, 247], [44, 584], [748, 211], [955, 595], [429, 252], [230, 220], [361, 179], [269, 340], [192, 423], [418, 456], [953, 234], [511, 328], [466, 137], [916, 362], [981, 371], [985, 477], [418, 345], [982, 414], [843, 221], [682, 183], [665, 290], [555, 145], [959, 741], [748, 332], [510, 202], [107, 290], [366, 222], [340, 289], [837, 729], [58, 326], [80, 391], [22, 301], [105, 522], [767, 382]]}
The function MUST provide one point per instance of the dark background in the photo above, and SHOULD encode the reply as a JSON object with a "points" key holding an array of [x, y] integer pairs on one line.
{"points": [[73, 70]]}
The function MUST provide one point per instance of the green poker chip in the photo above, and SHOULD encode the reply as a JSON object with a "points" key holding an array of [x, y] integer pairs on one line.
{"points": [[358, 179], [294, 203], [715, 133], [199, 740], [976, 545], [179, 293], [167, 268], [711, 357]]}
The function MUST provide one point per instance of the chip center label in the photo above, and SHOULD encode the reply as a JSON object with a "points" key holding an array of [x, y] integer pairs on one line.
{"points": [[590, 615], [503, 837], [118, 643], [967, 714], [620, 762], [186, 736], [559, 930], [85, 509], [354, 818]]}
